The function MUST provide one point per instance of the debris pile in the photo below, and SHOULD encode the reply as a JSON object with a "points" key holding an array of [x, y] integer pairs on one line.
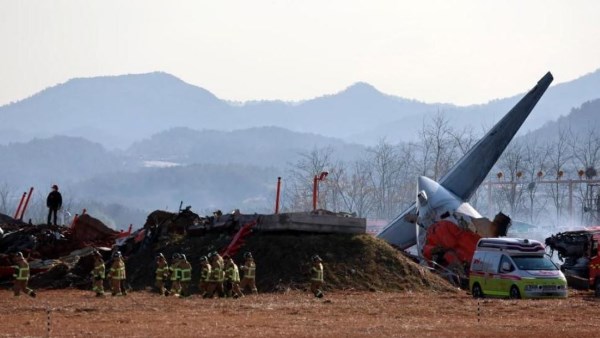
{"points": [[50, 249], [351, 261]]}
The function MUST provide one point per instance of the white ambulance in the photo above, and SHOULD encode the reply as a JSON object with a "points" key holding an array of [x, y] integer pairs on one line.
{"points": [[515, 268]]}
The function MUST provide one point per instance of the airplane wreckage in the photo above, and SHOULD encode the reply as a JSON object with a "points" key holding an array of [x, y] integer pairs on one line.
{"points": [[441, 223]]}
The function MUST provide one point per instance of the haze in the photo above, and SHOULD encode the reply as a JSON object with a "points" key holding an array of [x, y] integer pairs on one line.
{"points": [[461, 52]]}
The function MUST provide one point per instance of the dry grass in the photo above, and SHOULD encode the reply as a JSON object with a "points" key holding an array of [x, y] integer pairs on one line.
{"points": [[142, 314]]}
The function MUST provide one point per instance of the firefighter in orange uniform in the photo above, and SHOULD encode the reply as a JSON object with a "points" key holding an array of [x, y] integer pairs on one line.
{"points": [[21, 276], [249, 269]]}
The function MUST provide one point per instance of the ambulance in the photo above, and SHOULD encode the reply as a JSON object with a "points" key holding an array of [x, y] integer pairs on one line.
{"points": [[514, 268]]}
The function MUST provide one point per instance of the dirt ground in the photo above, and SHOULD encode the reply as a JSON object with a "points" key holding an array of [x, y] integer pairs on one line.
{"points": [[69, 313]]}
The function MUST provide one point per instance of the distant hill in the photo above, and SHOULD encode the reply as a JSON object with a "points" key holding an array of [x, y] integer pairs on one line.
{"points": [[579, 121], [60, 159], [262, 146], [352, 111], [116, 111], [558, 101], [204, 186]]}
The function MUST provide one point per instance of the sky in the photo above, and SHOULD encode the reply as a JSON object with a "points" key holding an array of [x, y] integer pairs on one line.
{"points": [[461, 52]]}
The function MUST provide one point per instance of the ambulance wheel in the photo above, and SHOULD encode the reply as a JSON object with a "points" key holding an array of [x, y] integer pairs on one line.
{"points": [[514, 292], [476, 291]]}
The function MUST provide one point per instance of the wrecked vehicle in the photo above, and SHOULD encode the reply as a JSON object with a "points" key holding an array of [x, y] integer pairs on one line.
{"points": [[579, 252]]}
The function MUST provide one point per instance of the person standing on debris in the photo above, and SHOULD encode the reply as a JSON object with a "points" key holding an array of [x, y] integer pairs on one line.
{"points": [[175, 272], [54, 203], [216, 276], [249, 269], [21, 276], [162, 270], [98, 274], [205, 271], [186, 276], [117, 275], [232, 278], [316, 279]]}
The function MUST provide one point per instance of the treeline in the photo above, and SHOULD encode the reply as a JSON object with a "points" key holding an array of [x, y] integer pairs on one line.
{"points": [[531, 179]]}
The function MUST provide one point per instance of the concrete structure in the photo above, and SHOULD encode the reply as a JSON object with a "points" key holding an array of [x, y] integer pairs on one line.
{"points": [[319, 222]]}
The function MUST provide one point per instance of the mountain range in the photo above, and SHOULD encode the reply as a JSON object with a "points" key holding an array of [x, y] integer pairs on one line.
{"points": [[117, 111]]}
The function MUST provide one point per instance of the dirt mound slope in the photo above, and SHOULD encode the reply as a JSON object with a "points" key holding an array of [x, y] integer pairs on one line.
{"points": [[359, 262]]}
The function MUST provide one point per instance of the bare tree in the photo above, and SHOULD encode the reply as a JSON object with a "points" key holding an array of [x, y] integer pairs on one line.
{"points": [[558, 159], [511, 162], [298, 193], [385, 170], [534, 162], [463, 139], [360, 193], [353, 189], [438, 147], [333, 190], [586, 155], [5, 196]]}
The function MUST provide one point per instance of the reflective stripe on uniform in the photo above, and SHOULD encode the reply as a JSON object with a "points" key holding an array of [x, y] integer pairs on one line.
{"points": [[160, 272], [250, 271], [205, 273], [317, 271], [215, 275], [23, 273], [233, 274], [186, 275], [117, 271], [99, 271], [175, 273]]}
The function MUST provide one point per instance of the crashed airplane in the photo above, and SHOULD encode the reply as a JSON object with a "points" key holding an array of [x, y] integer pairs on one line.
{"points": [[441, 222]]}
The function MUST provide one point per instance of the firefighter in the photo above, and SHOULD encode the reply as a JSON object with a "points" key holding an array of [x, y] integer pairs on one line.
{"points": [[215, 282], [232, 278], [117, 275], [21, 276], [205, 271], [162, 271], [249, 269], [98, 274], [316, 279], [185, 269], [221, 280], [175, 272]]}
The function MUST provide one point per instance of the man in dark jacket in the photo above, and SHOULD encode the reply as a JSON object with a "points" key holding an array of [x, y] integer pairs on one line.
{"points": [[53, 202]]}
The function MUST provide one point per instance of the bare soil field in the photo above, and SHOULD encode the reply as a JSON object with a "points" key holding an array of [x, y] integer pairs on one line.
{"points": [[75, 313]]}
